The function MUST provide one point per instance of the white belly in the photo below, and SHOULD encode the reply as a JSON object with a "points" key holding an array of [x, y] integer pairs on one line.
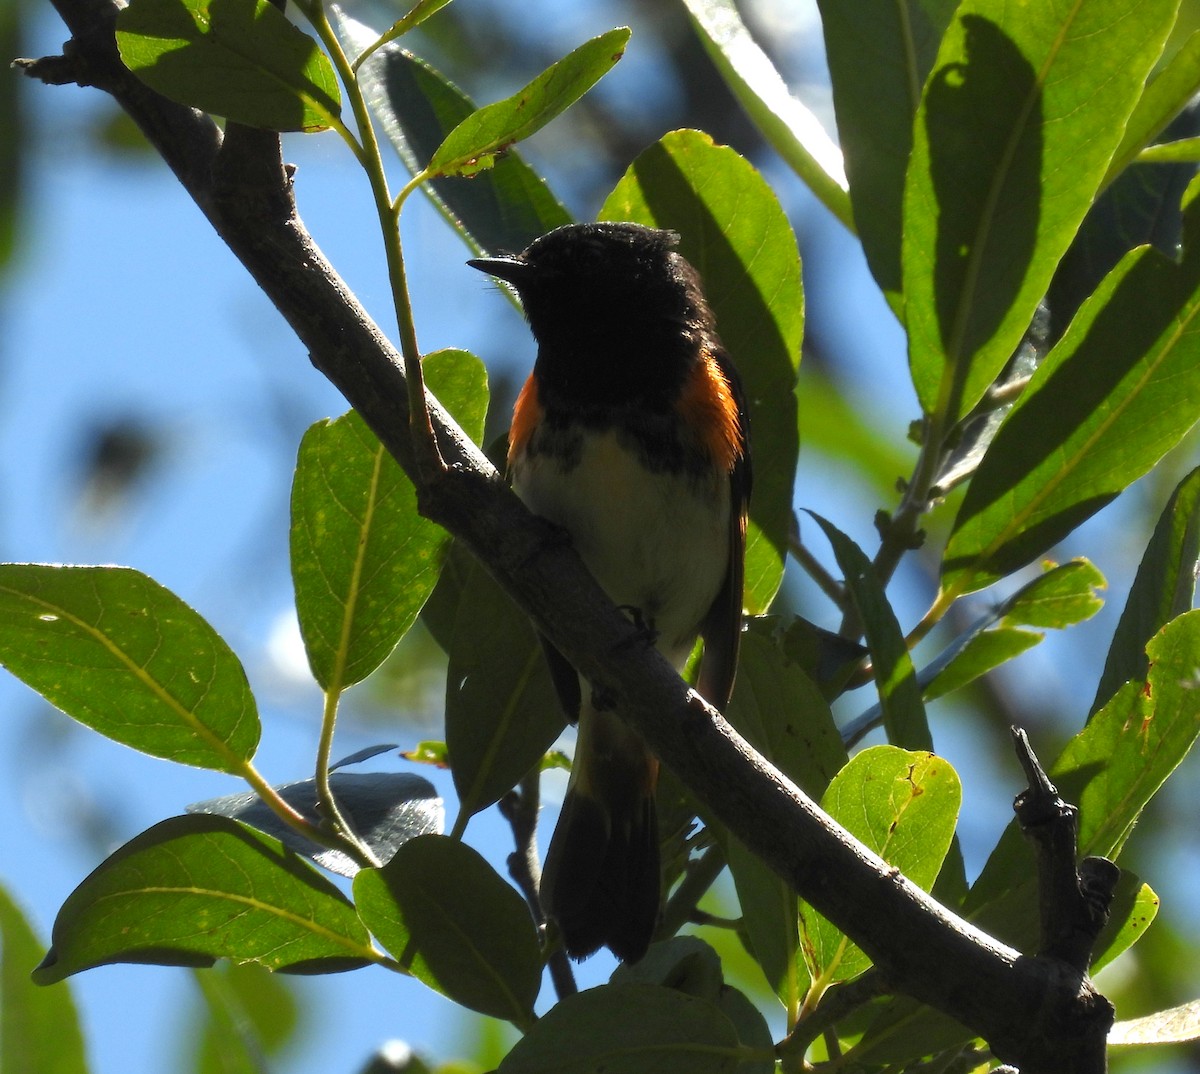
{"points": [[671, 580]]}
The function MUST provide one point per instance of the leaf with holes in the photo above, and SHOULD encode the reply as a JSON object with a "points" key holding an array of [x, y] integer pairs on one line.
{"points": [[904, 807]]}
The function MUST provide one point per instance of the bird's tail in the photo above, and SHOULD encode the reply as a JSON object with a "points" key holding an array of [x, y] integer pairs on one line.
{"points": [[601, 881]]}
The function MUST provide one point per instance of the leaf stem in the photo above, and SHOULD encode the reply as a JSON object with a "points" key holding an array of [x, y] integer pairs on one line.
{"points": [[296, 820], [429, 458], [348, 838]]}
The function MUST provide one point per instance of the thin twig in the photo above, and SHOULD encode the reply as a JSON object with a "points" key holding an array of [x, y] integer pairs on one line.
{"points": [[520, 808]]}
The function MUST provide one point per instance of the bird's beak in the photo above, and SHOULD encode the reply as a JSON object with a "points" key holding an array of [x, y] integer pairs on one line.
{"points": [[512, 269]]}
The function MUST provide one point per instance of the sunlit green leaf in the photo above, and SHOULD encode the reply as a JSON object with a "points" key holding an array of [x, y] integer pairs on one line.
{"points": [[1185, 149], [194, 889], [241, 59], [474, 144], [985, 651], [627, 1029], [1164, 587], [1167, 92], [793, 131], [875, 103], [1133, 910], [1062, 596], [363, 559], [39, 1028], [116, 651], [1173, 1026], [903, 806], [734, 231], [442, 911], [1005, 164], [502, 209], [1119, 390], [1110, 770], [413, 18]]}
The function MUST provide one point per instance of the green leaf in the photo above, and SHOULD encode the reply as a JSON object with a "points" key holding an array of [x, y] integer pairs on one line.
{"points": [[984, 651], [16, 142], [416, 15], [1116, 765], [734, 231], [895, 678], [784, 121], [116, 651], [1164, 97], [1062, 596], [829, 659], [502, 713], [1110, 770], [1120, 389], [363, 560], [39, 1028], [687, 964], [627, 1029], [474, 144], [875, 103], [249, 1015], [194, 889], [903, 806], [1185, 150], [782, 713], [1133, 910], [1164, 588], [443, 912], [241, 59], [1005, 164], [1174, 1026], [503, 209], [780, 710]]}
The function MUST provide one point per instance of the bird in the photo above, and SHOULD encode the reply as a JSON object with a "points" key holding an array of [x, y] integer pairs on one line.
{"points": [[631, 434]]}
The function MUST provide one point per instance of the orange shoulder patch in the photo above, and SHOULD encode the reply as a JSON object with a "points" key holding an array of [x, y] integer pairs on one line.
{"points": [[527, 412], [709, 407]]}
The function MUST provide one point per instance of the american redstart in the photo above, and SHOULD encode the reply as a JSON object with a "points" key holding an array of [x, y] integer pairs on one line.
{"points": [[631, 434]]}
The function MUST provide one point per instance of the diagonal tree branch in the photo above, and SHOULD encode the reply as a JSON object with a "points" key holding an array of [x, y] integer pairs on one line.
{"points": [[1039, 1013]]}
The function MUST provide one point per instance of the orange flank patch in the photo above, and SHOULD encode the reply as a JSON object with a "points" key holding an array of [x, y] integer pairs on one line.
{"points": [[526, 414], [708, 406]]}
